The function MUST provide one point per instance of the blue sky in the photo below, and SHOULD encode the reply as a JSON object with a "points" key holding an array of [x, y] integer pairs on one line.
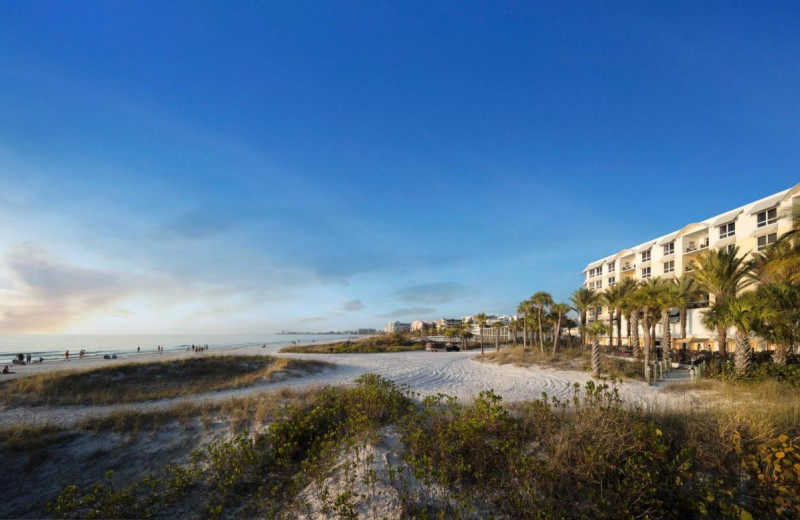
{"points": [[252, 167]]}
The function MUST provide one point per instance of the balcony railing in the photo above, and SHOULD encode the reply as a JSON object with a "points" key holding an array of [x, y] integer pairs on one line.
{"points": [[627, 267], [692, 247]]}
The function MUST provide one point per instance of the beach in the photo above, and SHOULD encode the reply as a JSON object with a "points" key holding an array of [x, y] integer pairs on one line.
{"points": [[426, 373]]}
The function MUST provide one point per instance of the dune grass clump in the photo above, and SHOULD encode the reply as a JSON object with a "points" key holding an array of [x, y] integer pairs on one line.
{"points": [[135, 382], [569, 357], [370, 345]]}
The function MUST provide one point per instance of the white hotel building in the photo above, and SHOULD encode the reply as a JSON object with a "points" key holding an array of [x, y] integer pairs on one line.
{"points": [[750, 227]]}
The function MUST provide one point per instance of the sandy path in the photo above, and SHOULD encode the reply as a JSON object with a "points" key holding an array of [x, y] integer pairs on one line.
{"points": [[428, 373]]}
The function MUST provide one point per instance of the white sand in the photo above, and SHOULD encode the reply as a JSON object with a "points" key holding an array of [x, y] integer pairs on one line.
{"points": [[428, 373]]}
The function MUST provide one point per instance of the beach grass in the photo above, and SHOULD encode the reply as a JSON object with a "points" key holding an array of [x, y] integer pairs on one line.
{"points": [[136, 382], [565, 358], [370, 345]]}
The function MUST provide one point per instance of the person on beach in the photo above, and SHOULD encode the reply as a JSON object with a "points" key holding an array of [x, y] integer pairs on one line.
{"points": [[138, 349], [29, 358], [66, 355], [5, 369]]}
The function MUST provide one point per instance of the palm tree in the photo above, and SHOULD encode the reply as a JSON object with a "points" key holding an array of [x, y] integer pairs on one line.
{"points": [[684, 295], [582, 299], [524, 310], [746, 313], [513, 327], [497, 325], [667, 299], [480, 319], [645, 299], [570, 324], [722, 274], [594, 331], [611, 299], [540, 301], [783, 327], [559, 311], [624, 288]]}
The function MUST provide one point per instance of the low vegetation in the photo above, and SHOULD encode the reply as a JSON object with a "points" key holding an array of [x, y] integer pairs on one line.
{"points": [[134, 382], [574, 358], [371, 345], [588, 456]]}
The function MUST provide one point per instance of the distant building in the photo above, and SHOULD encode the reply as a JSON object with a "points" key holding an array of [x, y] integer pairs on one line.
{"points": [[419, 325], [396, 326], [448, 323], [362, 332]]}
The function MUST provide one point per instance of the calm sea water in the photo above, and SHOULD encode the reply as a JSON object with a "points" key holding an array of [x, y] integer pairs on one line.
{"points": [[54, 346]]}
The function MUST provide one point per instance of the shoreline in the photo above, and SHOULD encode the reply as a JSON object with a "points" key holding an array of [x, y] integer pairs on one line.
{"points": [[90, 362]]}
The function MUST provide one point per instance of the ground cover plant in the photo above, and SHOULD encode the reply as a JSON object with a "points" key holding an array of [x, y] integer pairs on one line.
{"points": [[369, 345], [589, 456], [133, 382]]}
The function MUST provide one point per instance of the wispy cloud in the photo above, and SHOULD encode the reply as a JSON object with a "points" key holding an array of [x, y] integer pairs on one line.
{"points": [[408, 312], [432, 293], [353, 305], [50, 294]]}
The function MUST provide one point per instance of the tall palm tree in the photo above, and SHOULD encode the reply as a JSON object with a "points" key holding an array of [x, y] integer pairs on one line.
{"points": [[570, 324], [782, 327], [497, 325], [746, 313], [595, 330], [624, 288], [684, 295], [480, 319], [667, 300], [611, 299], [541, 301], [722, 274], [559, 311], [645, 299], [582, 299], [524, 310], [513, 328]]}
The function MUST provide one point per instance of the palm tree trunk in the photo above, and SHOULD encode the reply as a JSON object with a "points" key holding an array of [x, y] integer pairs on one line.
{"points": [[540, 337], [781, 354], [744, 354], [524, 333], [596, 357], [497, 340], [582, 332], [634, 334], [666, 339], [610, 329], [556, 335], [683, 322], [619, 329], [722, 341], [647, 339]]}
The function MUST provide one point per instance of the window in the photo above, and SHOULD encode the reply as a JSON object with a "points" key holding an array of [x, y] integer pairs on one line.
{"points": [[611, 267], [669, 249], [646, 256], [727, 230], [766, 240], [765, 218], [645, 272], [729, 248], [669, 267], [612, 281]]}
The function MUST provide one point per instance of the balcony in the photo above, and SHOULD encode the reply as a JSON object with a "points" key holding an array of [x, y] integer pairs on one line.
{"points": [[699, 304], [692, 248], [628, 267]]}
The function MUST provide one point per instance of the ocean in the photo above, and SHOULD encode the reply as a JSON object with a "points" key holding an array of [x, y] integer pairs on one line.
{"points": [[54, 346]]}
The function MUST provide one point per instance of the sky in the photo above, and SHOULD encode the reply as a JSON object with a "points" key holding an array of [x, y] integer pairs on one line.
{"points": [[265, 166]]}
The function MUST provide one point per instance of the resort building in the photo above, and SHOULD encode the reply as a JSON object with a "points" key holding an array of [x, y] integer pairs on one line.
{"points": [[751, 227], [396, 326]]}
